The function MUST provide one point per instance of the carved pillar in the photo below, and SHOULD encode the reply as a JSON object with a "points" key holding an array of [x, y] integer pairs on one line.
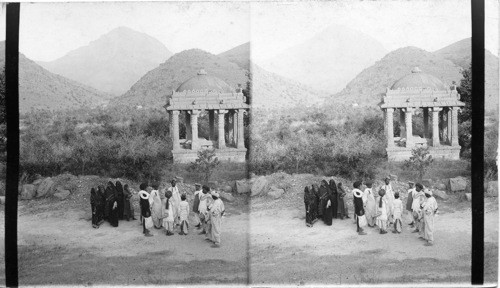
{"points": [[402, 124], [435, 126], [450, 125], [222, 140], [409, 127], [390, 126], [454, 130], [241, 129], [385, 122], [230, 127], [211, 124], [189, 135], [175, 130], [235, 128], [195, 142], [426, 122]]}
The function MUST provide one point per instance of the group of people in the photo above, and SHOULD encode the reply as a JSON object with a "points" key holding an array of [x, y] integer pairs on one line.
{"points": [[112, 203], [386, 208], [383, 209], [325, 202], [166, 208]]}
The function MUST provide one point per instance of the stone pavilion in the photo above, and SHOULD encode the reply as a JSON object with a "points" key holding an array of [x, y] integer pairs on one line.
{"points": [[419, 93], [225, 107]]}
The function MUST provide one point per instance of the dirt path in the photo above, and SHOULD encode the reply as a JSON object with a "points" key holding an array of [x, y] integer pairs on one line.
{"points": [[284, 251], [62, 248]]}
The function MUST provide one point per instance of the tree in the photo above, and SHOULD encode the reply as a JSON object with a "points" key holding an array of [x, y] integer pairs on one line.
{"points": [[420, 160], [464, 118], [205, 163]]}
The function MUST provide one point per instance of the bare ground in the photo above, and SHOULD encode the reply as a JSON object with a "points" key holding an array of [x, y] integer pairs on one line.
{"points": [[284, 251]]}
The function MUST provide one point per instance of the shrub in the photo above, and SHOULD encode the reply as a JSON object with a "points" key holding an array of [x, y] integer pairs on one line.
{"points": [[419, 161]]}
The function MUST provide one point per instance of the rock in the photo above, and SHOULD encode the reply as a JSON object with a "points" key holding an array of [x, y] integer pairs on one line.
{"points": [[2, 200], [179, 179], [275, 193], [227, 189], [440, 194], [242, 186], [440, 186], [458, 184], [427, 182], [258, 186], [37, 182], [492, 190], [212, 184], [45, 188], [28, 192], [393, 177], [226, 196], [62, 195], [468, 196]]}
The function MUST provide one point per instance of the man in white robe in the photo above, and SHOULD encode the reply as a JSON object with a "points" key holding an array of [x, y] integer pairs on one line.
{"points": [[429, 210], [216, 210], [205, 201], [369, 204], [176, 200], [155, 203], [389, 194], [418, 200]]}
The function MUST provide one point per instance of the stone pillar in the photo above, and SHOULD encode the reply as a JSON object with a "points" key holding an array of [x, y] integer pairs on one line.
{"points": [[211, 124], [426, 122], [235, 128], [390, 126], [409, 127], [454, 130], [402, 124], [189, 135], [385, 122], [175, 130], [221, 137], [241, 129], [450, 125], [195, 142], [230, 127], [435, 126]]}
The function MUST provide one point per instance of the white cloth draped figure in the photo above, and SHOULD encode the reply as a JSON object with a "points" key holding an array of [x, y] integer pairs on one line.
{"points": [[176, 200], [155, 202]]}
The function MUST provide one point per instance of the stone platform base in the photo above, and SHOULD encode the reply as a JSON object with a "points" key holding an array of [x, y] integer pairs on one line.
{"points": [[226, 155], [441, 152]]}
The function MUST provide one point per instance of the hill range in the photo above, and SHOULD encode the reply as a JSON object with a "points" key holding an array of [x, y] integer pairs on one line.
{"points": [[43, 90], [113, 62]]}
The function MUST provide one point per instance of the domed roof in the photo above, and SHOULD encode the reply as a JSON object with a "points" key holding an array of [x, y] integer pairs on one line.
{"points": [[202, 82], [419, 80]]}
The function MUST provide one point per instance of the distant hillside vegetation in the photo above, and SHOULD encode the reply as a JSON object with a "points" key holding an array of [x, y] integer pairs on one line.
{"points": [[41, 89], [113, 62], [239, 55], [460, 54], [368, 86], [156, 85]]}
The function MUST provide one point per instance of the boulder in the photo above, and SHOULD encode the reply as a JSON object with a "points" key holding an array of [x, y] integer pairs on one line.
{"points": [[492, 190], [427, 182], [2, 200], [275, 193], [468, 196], [227, 189], [440, 186], [28, 192], [62, 194], [226, 196], [259, 186], [440, 194], [242, 186], [37, 182], [458, 184], [179, 179], [45, 188]]}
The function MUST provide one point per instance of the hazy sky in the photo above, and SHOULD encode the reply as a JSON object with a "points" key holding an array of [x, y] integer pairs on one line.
{"points": [[50, 30]]}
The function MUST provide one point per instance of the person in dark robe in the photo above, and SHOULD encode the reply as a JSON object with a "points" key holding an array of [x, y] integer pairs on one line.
{"points": [[309, 199], [342, 193], [338, 206], [120, 199], [128, 208], [110, 199], [317, 204], [326, 198], [113, 213], [93, 204], [101, 204], [334, 198], [358, 205]]}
